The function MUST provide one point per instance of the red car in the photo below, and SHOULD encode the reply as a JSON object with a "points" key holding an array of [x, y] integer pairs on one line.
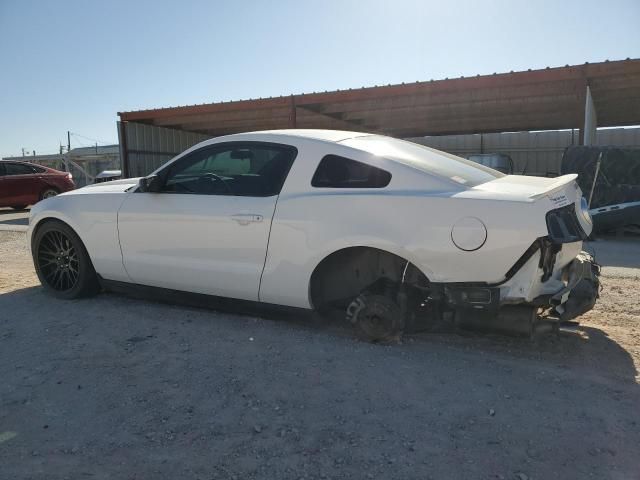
{"points": [[23, 183]]}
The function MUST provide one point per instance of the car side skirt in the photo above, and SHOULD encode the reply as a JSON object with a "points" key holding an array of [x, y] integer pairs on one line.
{"points": [[198, 300]]}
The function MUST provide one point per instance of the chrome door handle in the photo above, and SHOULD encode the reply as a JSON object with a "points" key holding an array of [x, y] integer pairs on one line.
{"points": [[246, 218]]}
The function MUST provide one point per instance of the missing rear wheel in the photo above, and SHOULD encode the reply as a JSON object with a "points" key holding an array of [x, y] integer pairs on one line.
{"points": [[376, 317]]}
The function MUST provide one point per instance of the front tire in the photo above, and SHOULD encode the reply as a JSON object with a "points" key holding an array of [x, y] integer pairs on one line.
{"points": [[62, 262]]}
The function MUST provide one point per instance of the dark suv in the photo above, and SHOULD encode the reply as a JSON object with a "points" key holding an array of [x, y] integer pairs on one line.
{"points": [[23, 183]]}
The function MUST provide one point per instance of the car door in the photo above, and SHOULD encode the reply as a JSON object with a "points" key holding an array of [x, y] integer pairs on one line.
{"points": [[206, 228], [18, 184]]}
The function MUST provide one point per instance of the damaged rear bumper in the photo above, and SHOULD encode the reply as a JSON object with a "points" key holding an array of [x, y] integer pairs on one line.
{"points": [[553, 279], [581, 292], [554, 284]]}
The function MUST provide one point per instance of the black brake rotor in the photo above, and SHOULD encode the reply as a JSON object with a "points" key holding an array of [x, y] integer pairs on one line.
{"points": [[378, 318]]}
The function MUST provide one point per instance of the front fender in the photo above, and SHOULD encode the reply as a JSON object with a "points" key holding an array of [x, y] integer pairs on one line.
{"points": [[45, 210], [94, 218]]}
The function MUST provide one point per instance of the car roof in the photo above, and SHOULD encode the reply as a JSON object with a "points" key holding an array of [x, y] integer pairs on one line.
{"points": [[3, 161], [31, 164], [316, 134]]}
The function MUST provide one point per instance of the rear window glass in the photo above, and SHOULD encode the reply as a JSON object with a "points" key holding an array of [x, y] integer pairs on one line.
{"points": [[340, 172], [456, 169]]}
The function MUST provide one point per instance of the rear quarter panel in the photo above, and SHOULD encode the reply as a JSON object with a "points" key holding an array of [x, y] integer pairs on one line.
{"points": [[56, 180], [412, 218]]}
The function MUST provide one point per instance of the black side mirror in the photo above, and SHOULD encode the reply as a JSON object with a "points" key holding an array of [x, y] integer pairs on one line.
{"points": [[152, 183]]}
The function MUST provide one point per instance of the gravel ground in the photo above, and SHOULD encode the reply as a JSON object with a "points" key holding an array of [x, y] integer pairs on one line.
{"points": [[113, 387]]}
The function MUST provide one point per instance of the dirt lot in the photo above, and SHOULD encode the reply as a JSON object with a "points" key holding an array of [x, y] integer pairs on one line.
{"points": [[113, 387]]}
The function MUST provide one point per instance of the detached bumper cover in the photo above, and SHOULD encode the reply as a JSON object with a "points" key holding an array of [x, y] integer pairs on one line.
{"points": [[582, 290]]}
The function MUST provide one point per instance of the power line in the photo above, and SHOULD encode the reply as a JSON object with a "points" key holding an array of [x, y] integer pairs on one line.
{"points": [[45, 150], [82, 144], [91, 139], [28, 152]]}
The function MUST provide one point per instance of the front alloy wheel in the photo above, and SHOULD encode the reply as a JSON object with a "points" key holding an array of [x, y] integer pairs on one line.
{"points": [[62, 263], [58, 261]]}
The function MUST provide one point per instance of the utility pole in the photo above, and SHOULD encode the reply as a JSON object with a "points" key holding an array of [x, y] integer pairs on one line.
{"points": [[23, 151], [68, 141]]}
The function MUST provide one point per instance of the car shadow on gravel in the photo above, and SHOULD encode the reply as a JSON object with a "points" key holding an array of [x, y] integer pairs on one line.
{"points": [[590, 351], [8, 211], [14, 217], [15, 221]]}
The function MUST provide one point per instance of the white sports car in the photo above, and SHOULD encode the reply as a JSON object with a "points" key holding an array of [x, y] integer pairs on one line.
{"points": [[380, 227]]}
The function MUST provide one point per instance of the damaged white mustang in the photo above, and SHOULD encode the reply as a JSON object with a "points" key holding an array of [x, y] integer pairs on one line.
{"points": [[392, 232]]}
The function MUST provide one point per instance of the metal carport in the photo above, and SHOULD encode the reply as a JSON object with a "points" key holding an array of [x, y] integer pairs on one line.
{"points": [[547, 99]]}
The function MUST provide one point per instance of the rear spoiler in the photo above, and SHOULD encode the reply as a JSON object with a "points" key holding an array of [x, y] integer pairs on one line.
{"points": [[558, 184]]}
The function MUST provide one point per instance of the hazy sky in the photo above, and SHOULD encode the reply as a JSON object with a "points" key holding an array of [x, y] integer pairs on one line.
{"points": [[72, 65]]}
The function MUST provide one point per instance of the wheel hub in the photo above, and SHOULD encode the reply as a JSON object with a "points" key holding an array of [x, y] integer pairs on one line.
{"points": [[63, 261], [378, 317]]}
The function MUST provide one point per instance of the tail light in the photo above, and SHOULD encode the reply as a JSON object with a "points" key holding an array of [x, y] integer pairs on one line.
{"points": [[69, 176], [563, 225]]}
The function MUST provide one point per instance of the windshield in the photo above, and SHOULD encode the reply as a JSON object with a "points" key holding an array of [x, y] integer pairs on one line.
{"points": [[456, 169]]}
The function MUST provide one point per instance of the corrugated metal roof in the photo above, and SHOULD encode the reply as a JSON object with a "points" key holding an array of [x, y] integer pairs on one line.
{"points": [[550, 98]]}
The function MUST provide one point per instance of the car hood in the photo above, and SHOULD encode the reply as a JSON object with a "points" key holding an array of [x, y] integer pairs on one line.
{"points": [[115, 186]]}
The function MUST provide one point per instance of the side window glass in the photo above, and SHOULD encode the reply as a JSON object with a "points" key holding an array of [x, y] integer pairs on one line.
{"points": [[224, 164], [193, 169], [17, 169], [254, 170], [340, 172]]}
